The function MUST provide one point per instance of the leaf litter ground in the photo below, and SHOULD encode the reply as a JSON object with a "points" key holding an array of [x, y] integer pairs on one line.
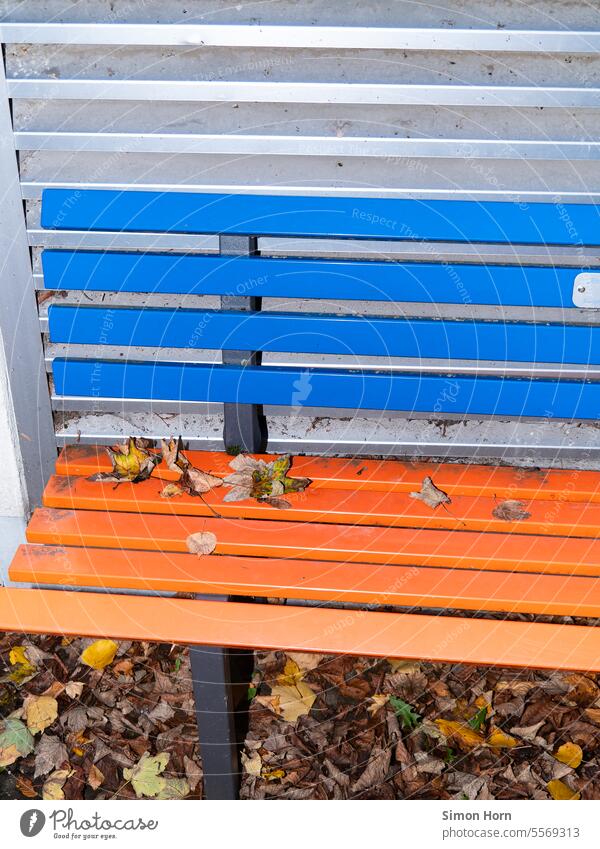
{"points": [[123, 726]]}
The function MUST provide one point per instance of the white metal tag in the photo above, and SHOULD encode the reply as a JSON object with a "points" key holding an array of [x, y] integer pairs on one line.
{"points": [[586, 290]]}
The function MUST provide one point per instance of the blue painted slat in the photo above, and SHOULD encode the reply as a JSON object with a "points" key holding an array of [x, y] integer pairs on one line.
{"points": [[428, 282], [276, 215], [325, 334], [441, 394]]}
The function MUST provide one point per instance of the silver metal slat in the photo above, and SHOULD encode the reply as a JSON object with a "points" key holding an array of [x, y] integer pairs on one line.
{"points": [[32, 190], [120, 241], [307, 145], [317, 37], [286, 92]]}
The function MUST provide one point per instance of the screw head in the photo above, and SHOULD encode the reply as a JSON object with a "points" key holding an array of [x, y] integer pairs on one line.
{"points": [[581, 289]]}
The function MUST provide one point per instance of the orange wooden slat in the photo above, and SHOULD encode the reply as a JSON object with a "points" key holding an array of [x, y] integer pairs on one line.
{"points": [[406, 586], [314, 541], [388, 475], [436, 638], [330, 505]]}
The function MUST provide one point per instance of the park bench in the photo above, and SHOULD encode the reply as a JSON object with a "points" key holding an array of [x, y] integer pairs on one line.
{"points": [[356, 542]]}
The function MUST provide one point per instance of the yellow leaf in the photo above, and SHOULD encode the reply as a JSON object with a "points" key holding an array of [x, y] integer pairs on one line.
{"points": [[270, 702], [559, 790], [25, 668], [462, 735], [570, 754], [291, 674], [99, 654], [273, 774], [171, 490], [498, 739], [17, 655], [294, 701], [40, 712], [379, 700]]}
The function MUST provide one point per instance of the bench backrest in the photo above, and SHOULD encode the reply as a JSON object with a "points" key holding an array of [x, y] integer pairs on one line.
{"points": [[242, 327]]}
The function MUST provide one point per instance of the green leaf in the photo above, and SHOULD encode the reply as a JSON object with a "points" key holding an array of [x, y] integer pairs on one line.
{"points": [[145, 776], [478, 721], [251, 693], [15, 741], [405, 713], [280, 467]]}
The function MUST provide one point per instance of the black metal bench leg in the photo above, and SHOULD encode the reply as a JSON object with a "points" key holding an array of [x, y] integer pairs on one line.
{"points": [[213, 694]]}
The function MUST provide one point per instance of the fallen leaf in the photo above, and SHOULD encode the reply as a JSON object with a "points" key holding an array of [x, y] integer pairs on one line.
{"points": [[99, 654], [405, 713], [582, 690], [498, 739], [171, 490], [145, 776], [193, 773], [51, 753], [431, 495], [559, 790], [25, 787], [266, 482], [593, 714], [25, 669], [570, 754], [201, 543], [253, 765], [408, 667], [40, 712], [375, 771], [95, 777], [455, 732], [293, 701], [53, 786], [379, 700], [174, 788], [123, 667], [511, 511], [291, 673], [273, 774], [15, 741], [197, 482], [130, 463], [305, 660]]}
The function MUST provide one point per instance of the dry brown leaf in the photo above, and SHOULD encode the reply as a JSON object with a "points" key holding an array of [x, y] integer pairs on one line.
{"points": [[408, 667], [25, 787], [379, 700], [511, 511], [201, 543], [559, 790], [593, 714], [253, 765], [375, 771], [95, 777], [462, 735], [171, 490], [74, 689], [305, 660], [582, 690], [570, 754], [431, 495], [197, 482], [51, 753]]}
